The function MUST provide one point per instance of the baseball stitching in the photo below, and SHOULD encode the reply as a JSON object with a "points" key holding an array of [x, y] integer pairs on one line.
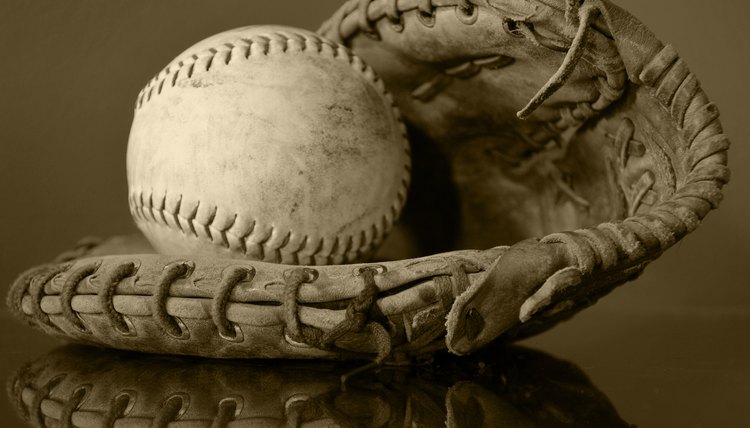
{"points": [[151, 208]]}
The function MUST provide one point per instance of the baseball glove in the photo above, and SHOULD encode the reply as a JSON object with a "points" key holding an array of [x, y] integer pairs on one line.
{"points": [[619, 156], [85, 387]]}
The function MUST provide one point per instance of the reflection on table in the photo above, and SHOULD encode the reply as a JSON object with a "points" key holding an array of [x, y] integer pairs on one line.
{"points": [[499, 386]]}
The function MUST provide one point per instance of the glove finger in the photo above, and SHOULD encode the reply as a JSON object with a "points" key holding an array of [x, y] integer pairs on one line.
{"points": [[491, 306], [559, 283]]}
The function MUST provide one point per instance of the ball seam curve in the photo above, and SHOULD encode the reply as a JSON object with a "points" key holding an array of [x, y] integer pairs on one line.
{"points": [[275, 43]]}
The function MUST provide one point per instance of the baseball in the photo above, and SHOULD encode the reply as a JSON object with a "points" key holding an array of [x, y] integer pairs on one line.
{"points": [[267, 143]]}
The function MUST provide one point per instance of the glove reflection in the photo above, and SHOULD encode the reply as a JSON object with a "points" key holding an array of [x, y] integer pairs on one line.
{"points": [[90, 387]]}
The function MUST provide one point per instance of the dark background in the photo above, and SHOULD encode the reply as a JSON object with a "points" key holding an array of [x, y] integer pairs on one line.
{"points": [[672, 349]]}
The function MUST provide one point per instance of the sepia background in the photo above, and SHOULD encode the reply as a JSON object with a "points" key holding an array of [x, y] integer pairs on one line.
{"points": [[671, 349]]}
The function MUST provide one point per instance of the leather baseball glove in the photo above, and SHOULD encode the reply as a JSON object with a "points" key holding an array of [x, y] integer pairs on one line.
{"points": [[563, 120], [85, 387]]}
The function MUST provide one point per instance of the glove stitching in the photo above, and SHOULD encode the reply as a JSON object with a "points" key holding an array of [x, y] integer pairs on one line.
{"points": [[365, 25], [173, 407], [118, 408], [69, 291], [231, 277], [227, 410], [171, 325], [35, 290], [294, 329], [107, 293], [356, 319]]}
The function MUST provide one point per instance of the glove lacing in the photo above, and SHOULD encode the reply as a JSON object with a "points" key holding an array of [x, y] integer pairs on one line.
{"points": [[577, 12], [357, 315]]}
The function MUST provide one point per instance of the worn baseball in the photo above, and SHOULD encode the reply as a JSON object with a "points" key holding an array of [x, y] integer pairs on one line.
{"points": [[267, 143]]}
